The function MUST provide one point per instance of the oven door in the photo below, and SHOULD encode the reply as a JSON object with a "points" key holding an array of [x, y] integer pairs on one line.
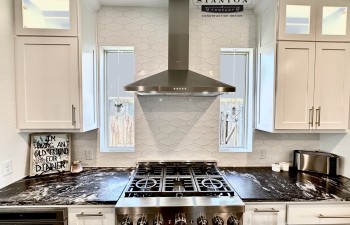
{"points": [[34, 216]]}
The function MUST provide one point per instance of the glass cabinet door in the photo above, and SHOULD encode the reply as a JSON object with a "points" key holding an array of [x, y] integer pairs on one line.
{"points": [[333, 20], [297, 20], [46, 17]]}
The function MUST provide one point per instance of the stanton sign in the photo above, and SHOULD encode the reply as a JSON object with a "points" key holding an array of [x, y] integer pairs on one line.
{"points": [[222, 2]]}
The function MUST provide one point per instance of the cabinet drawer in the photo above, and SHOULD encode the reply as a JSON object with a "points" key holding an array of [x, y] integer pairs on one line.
{"points": [[318, 214]]}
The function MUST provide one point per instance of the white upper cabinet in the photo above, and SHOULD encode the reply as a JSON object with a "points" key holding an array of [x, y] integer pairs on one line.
{"points": [[312, 90], [314, 20], [331, 95], [302, 84], [46, 18], [295, 85], [297, 20], [56, 72], [46, 83]]}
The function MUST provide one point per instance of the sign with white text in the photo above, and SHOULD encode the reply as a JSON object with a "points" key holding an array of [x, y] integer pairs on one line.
{"points": [[50, 153]]}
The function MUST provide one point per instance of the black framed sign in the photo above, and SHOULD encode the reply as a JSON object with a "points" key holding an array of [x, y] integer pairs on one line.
{"points": [[49, 153]]}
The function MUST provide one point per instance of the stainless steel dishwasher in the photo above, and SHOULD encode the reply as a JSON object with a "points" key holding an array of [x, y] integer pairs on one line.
{"points": [[33, 216]]}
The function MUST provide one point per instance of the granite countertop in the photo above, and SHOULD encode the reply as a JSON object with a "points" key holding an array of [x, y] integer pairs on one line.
{"points": [[105, 185], [92, 186], [257, 184]]}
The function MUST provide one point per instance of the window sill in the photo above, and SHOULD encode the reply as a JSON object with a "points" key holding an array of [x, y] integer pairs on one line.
{"points": [[233, 150], [118, 149]]}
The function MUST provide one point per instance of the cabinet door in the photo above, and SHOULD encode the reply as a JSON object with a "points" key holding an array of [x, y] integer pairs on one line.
{"points": [[91, 216], [264, 215], [318, 214], [46, 18], [47, 83], [333, 18], [295, 85], [332, 85], [297, 20], [88, 60]]}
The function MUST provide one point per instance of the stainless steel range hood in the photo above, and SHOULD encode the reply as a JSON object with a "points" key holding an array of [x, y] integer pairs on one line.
{"points": [[178, 79]]}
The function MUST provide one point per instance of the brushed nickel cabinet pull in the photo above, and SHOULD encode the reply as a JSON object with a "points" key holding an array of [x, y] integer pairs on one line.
{"points": [[332, 217], [311, 116], [87, 215], [318, 116], [73, 115], [272, 210]]}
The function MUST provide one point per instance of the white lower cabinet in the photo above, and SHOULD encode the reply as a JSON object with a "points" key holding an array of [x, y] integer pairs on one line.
{"points": [[318, 214], [91, 215], [264, 214]]}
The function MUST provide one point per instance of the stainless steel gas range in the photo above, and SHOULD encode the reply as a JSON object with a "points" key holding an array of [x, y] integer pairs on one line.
{"points": [[178, 193]]}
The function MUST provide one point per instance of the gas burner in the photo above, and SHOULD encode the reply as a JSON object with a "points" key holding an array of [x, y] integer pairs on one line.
{"points": [[212, 184], [178, 186], [205, 169], [149, 170], [177, 170], [143, 187], [146, 184]]}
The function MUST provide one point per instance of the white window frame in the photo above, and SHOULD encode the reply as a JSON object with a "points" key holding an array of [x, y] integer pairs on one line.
{"points": [[249, 102], [102, 134]]}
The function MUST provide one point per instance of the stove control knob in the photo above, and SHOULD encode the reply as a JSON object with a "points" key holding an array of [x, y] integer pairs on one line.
{"points": [[142, 220], [201, 220], [180, 219], [126, 221], [217, 220], [158, 220], [232, 220]]}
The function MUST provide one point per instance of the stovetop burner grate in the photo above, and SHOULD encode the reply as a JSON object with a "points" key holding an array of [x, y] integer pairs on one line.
{"points": [[177, 170], [204, 169], [178, 186], [177, 180], [144, 187], [149, 170], [214, 186]]}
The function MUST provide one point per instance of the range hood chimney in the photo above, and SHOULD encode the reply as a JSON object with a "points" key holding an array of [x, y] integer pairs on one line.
{"points": [[178, 79]]}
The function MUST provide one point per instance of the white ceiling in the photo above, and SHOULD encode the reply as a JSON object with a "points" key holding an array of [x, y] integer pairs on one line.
{"points": [[148, 3]]}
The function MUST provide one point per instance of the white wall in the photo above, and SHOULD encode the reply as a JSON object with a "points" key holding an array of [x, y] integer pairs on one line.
{"points": [[338, 144], [182, 128], [13, 146]]}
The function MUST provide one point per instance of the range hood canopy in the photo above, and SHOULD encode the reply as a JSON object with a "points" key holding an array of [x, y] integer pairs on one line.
{"points": [[178, 79]]}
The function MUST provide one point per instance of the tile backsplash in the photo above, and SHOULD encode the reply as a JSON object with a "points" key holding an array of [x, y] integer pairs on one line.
{"points": [[185, 128], [182, 128]]}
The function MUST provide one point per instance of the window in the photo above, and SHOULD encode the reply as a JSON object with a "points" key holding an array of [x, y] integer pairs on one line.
{"points": [[236, 109], [117, 125]]}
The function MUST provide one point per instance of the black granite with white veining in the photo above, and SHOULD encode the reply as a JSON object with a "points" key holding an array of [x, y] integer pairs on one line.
{"points": [[262, 184], [105, 185], [92, 186]]}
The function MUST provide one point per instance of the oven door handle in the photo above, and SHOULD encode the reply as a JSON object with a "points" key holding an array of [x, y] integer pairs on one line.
{"points": [[89, 215]]}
